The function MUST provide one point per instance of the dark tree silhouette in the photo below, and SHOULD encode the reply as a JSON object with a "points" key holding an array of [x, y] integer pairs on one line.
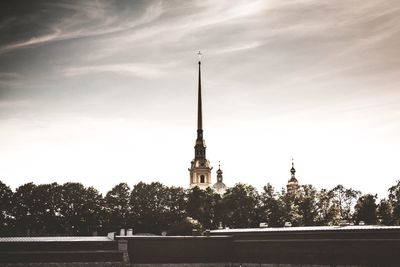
{"points": [[307, 205], [175, 201], [81, 209], [271, 210], [241, 206], [47, 201], [366, 209], [7, 219], [72, 209], [394, 199], [202, 206], [117, 208], [24, 206], [385, 212], [148, 208]]}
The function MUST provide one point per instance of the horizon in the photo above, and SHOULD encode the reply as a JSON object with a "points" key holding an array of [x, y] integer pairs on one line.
{"points": [[104, 92]]}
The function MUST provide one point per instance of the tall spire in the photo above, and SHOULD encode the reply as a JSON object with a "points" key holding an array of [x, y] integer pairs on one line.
{"points": [[199, 104], [200, 169], [200, 148]]}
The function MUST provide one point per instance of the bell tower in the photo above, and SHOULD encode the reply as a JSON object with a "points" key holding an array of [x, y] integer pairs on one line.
{"points": [[200, 170], [292, 185]]}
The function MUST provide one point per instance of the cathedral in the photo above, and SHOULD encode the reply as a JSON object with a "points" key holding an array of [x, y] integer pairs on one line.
{"points": [[200, 168]]}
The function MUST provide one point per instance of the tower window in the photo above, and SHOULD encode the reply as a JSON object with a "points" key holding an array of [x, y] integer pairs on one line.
{"points": [[202, 179]]}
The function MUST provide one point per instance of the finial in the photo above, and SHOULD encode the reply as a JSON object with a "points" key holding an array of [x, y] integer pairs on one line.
{"points": [[199, 54], [292, 162], [219, 164]]}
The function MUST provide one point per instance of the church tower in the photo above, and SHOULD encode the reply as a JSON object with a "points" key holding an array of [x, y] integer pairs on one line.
{"points": [[292, 185], [219, 187], [200, 170]]}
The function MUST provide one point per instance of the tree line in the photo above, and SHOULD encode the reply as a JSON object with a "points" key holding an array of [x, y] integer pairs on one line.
{"points": [[72, 209]]}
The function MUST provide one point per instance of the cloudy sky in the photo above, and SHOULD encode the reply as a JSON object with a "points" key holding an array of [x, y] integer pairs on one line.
{"points": [[102, 92]]}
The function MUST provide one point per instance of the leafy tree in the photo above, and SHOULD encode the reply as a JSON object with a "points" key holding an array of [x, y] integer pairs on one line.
{"points": [[328, 210], [394, 199], [6, 203], [271, 209], [92, 211], [366, 209], [202, 205], [117, 208], [46, 209], [185, 227], [290, 207], [148, 208], [385, 212], [81, 209], [345, 199], [307, 205], [24, 206], [241, 204], [175, 198]]}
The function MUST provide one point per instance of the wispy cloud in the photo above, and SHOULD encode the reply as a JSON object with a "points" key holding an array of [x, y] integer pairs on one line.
{"points": [[139, 70], [86, 21]]}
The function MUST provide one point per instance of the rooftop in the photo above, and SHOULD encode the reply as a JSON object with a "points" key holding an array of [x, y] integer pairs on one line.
{"points": [[305, 229], [55, 239]]}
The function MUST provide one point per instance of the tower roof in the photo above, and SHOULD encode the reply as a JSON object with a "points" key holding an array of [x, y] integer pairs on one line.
{"points": [[293, 172]]}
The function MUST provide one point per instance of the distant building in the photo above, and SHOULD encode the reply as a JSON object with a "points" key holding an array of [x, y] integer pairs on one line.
{"points": [[200, 169], [219, 186], [292, 185]]}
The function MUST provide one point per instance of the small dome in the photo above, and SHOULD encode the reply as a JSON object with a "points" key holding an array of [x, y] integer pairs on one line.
{"points": [[219, 187]]}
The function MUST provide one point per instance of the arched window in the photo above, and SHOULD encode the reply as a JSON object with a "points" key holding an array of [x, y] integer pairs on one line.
{"points": [[202, 179]]}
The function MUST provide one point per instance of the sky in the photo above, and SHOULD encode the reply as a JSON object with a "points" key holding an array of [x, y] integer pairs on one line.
{"points": [[103, 92]]}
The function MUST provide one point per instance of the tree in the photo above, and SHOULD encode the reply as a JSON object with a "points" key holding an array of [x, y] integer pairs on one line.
{"points": [[328, 209], [148, 208], [24, 206], [271, 209], [345, 199], [366, 209], [394, 200], [290, 207], [307, 205], [117, 208], [202, 205], [241, 206], [175, 198], [81, 209], [385, 212], [7, 220], [185, 227], [46, 210], [92, 211]]}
